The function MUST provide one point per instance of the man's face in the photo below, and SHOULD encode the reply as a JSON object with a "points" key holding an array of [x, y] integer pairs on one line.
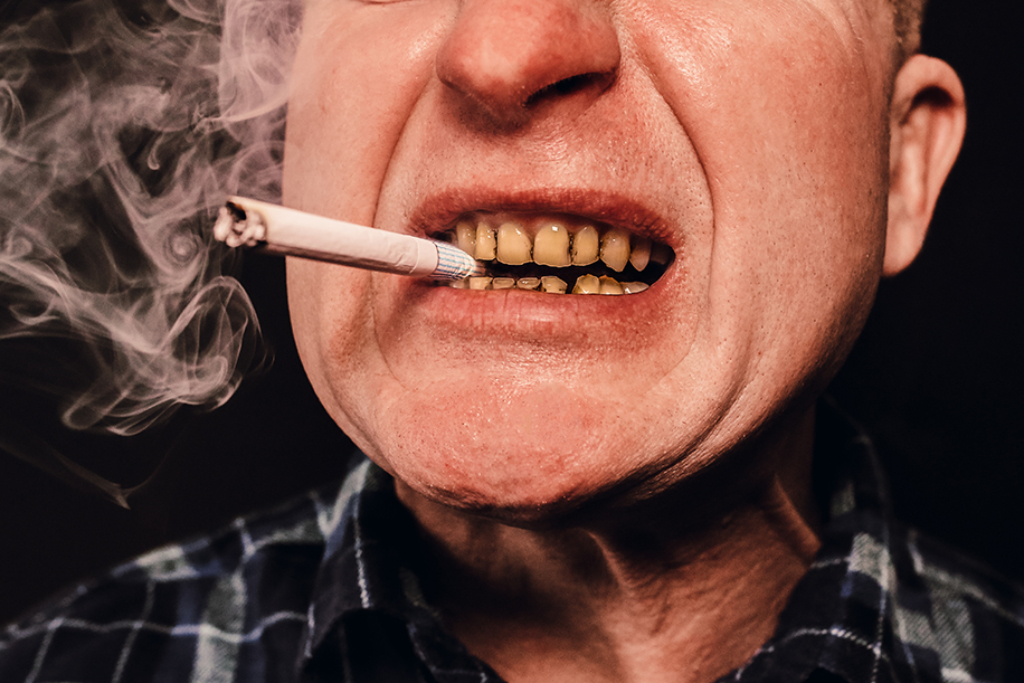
{"points": [[751, 138]]}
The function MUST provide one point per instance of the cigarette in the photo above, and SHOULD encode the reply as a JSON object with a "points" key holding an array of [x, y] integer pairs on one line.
{"points": [[287, 232]]}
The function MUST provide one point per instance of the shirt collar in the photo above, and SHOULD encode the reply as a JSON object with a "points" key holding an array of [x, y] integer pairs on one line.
{"points": [[839, 616], [368, 558]]}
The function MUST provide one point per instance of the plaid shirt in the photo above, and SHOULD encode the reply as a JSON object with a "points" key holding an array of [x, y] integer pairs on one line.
{"points": [[326, 589]]}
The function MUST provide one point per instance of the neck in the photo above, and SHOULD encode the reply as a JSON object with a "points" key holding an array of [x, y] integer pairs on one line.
{"points": [[646, 599]]}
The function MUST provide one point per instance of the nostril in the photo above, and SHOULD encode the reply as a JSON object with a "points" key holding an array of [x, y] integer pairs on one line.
{"points": [[566, 86], [502, 59]]}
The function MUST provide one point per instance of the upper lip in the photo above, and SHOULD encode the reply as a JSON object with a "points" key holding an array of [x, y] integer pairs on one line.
{"points": [[437, 212]]}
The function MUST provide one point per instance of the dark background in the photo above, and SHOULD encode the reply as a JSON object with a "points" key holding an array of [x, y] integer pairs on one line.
{"points": [[937, 377]]}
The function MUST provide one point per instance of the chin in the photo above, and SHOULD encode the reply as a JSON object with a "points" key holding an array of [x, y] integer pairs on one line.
{"points": [[522, 464]]}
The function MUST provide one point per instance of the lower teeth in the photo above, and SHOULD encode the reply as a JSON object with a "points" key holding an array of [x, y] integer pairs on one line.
{"points": [[552, 284]]}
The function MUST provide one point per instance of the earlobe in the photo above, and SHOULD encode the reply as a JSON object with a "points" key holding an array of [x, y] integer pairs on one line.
{"points": [[927, 122]]}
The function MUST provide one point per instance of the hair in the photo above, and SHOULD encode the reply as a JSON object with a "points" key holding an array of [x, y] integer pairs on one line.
{"points": [[907, 17]]}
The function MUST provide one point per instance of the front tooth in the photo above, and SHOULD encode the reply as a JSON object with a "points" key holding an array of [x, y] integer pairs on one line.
{"points": [[503, 283], [587, 284], [485, 243], [633, 287], [551, 246], [513, 245], [480, 282], [640, 256], [615, 249], [465, 237], [529, 283], [552, 284], [458, 284], [585, 245], [610, 285]]}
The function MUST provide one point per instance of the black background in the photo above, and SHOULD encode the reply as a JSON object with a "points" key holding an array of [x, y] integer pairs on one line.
{"points": [[937, 377]]}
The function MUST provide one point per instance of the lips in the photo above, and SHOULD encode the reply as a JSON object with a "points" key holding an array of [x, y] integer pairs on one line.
{"points": [[556, 241]]}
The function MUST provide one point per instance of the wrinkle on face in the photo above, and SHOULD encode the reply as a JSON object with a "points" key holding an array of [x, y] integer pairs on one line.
{"points": [[706, 52]]}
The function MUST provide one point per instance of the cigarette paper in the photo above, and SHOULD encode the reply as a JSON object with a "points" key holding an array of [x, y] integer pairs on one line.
{"points": [[288, 232]]}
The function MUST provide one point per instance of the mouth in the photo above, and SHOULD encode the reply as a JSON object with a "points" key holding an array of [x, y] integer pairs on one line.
{"points": [[556, 254]]}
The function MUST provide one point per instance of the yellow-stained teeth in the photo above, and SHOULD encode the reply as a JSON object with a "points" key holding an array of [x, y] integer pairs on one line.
{"points": [[503, 283], [552, 284], [610, 285], [615, 249], [585, 246], [555, 243], [640, 254], [485, 243], [528, 283], [513, 245], [465, 237], [587, 284], [551, 246]]}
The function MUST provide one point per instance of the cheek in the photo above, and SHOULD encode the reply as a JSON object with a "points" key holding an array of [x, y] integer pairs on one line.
{"points": [[788, 118], [358, 73], [331, 324]]}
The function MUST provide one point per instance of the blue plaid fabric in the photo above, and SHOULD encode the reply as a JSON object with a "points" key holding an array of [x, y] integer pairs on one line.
{"points": [[326, 589]]}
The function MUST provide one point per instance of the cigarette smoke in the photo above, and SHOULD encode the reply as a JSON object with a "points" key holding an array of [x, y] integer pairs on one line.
{"points": [[123, 125]]}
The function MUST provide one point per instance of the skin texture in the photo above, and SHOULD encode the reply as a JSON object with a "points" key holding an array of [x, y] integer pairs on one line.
{"points": [[543, 441]]}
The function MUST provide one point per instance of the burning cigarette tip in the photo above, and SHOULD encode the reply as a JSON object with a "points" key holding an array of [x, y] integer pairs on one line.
{"points": [[237, 227]]}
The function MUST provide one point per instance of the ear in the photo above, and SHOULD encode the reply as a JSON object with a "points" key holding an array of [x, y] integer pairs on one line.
{"points": [[927, 122]]}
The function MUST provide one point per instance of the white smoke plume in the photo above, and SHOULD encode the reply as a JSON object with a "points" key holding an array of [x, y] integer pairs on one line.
{"points": [[123, 125]]}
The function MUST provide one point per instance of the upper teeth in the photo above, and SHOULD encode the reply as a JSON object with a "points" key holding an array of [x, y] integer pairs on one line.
{"points": [[615, 249], [514, 247], [553, 245], [585, 246]]}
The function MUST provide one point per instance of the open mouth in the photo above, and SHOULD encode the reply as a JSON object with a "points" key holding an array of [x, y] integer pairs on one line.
{"points": [[556, 254]]}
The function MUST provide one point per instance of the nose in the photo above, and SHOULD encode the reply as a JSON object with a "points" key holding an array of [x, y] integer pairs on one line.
{"points": [[505, 58]]}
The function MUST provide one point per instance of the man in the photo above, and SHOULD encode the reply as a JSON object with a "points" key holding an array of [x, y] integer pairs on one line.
{"points": [[626, 488]]}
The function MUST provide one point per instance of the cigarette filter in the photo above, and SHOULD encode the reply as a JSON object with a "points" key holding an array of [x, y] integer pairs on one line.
{"points": [[288, 232]]}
